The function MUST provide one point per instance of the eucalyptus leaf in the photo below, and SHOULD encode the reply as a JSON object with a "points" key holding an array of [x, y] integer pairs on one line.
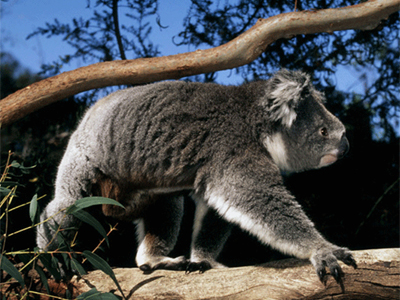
{"points": [[77, 266], [90, 201], [67, 261], [95, 294], [102, 265], [47, 261], [9, 268], [43, 278], [15, 164], [4, 191], [33, 206], [25, 258], [11, 183], [99, 263], [89, 219]]}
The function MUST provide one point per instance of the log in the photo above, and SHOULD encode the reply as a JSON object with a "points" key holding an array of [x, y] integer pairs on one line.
{"points": [[377, 277], [240, 51]]}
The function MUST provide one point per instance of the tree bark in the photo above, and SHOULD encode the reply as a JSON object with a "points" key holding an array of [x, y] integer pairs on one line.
{"points": [[377, 277], [240, 51]]}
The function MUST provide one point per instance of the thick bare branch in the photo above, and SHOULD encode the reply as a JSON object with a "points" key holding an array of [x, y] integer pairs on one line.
{"points": [[240, 51], [376, 277]]}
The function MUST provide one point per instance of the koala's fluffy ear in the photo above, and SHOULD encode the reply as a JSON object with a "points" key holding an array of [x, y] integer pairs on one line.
{"points": [[284, 92]]}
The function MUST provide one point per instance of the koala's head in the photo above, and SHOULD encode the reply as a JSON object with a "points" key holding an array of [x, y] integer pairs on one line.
{"points": [[304, 134]]}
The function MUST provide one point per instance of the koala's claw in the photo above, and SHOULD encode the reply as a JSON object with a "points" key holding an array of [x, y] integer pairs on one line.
{"points": [[328, 258], [335, 271], [322, 276], [345, 256], [200, 266]]}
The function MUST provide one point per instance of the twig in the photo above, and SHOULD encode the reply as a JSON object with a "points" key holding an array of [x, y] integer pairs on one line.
{"points": [[116, 28], [46, 295], [102, 241], [21, 205]]}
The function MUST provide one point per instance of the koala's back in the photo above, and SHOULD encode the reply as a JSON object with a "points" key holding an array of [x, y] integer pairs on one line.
{"points": [[163, 131]]}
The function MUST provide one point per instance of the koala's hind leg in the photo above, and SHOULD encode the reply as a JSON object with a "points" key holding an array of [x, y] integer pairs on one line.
{"points": [[158, 232], [210, 233], [135, 202]]}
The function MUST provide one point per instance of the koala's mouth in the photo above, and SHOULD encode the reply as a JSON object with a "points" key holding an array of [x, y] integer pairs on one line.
{"points": [[328, 159]]}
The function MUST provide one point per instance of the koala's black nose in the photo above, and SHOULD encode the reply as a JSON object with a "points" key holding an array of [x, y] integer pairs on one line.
{"points": [[343, 147]]}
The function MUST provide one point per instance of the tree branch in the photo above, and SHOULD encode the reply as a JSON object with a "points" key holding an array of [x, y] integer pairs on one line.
{"points": [[376, 277], [240, 51]]}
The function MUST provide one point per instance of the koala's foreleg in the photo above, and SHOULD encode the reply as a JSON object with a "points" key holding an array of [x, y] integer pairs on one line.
{"points": [[210, 233], [157, 233], [249, 192]]}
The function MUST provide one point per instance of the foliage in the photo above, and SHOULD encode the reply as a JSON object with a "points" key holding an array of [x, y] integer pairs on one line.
{"points": [[56, 262]]}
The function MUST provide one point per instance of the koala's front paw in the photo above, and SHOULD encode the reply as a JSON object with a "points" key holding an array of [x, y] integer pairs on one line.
{"points": [[327, 257]]}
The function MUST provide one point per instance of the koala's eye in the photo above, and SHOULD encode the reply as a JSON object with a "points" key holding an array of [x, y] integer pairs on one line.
{"points": [[323, 131]]}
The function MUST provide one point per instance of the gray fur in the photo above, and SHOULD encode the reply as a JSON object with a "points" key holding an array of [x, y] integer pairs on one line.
{"points": [[227, 144]]}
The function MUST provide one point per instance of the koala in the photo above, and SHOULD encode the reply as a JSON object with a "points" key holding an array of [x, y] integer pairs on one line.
{"points": [[227, 145]]}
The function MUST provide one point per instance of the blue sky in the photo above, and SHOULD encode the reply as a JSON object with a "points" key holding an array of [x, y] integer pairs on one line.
{"points": [[21, 17]]}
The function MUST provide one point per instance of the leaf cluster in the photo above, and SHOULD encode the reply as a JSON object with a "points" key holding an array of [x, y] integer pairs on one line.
{"points": [[16, 282]]}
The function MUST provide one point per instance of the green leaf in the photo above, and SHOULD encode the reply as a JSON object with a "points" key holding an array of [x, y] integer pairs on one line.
{"points": [[4, 191], [62, 243], [99, 263], [33, 208], [77, 266], [95, 294], [11, 183], [90, 201], [7, 266], [55, 262], [67, 261], [47, 261], [43, 278], [26, 258], [102, 265], [15, 164], [89, 219]]}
